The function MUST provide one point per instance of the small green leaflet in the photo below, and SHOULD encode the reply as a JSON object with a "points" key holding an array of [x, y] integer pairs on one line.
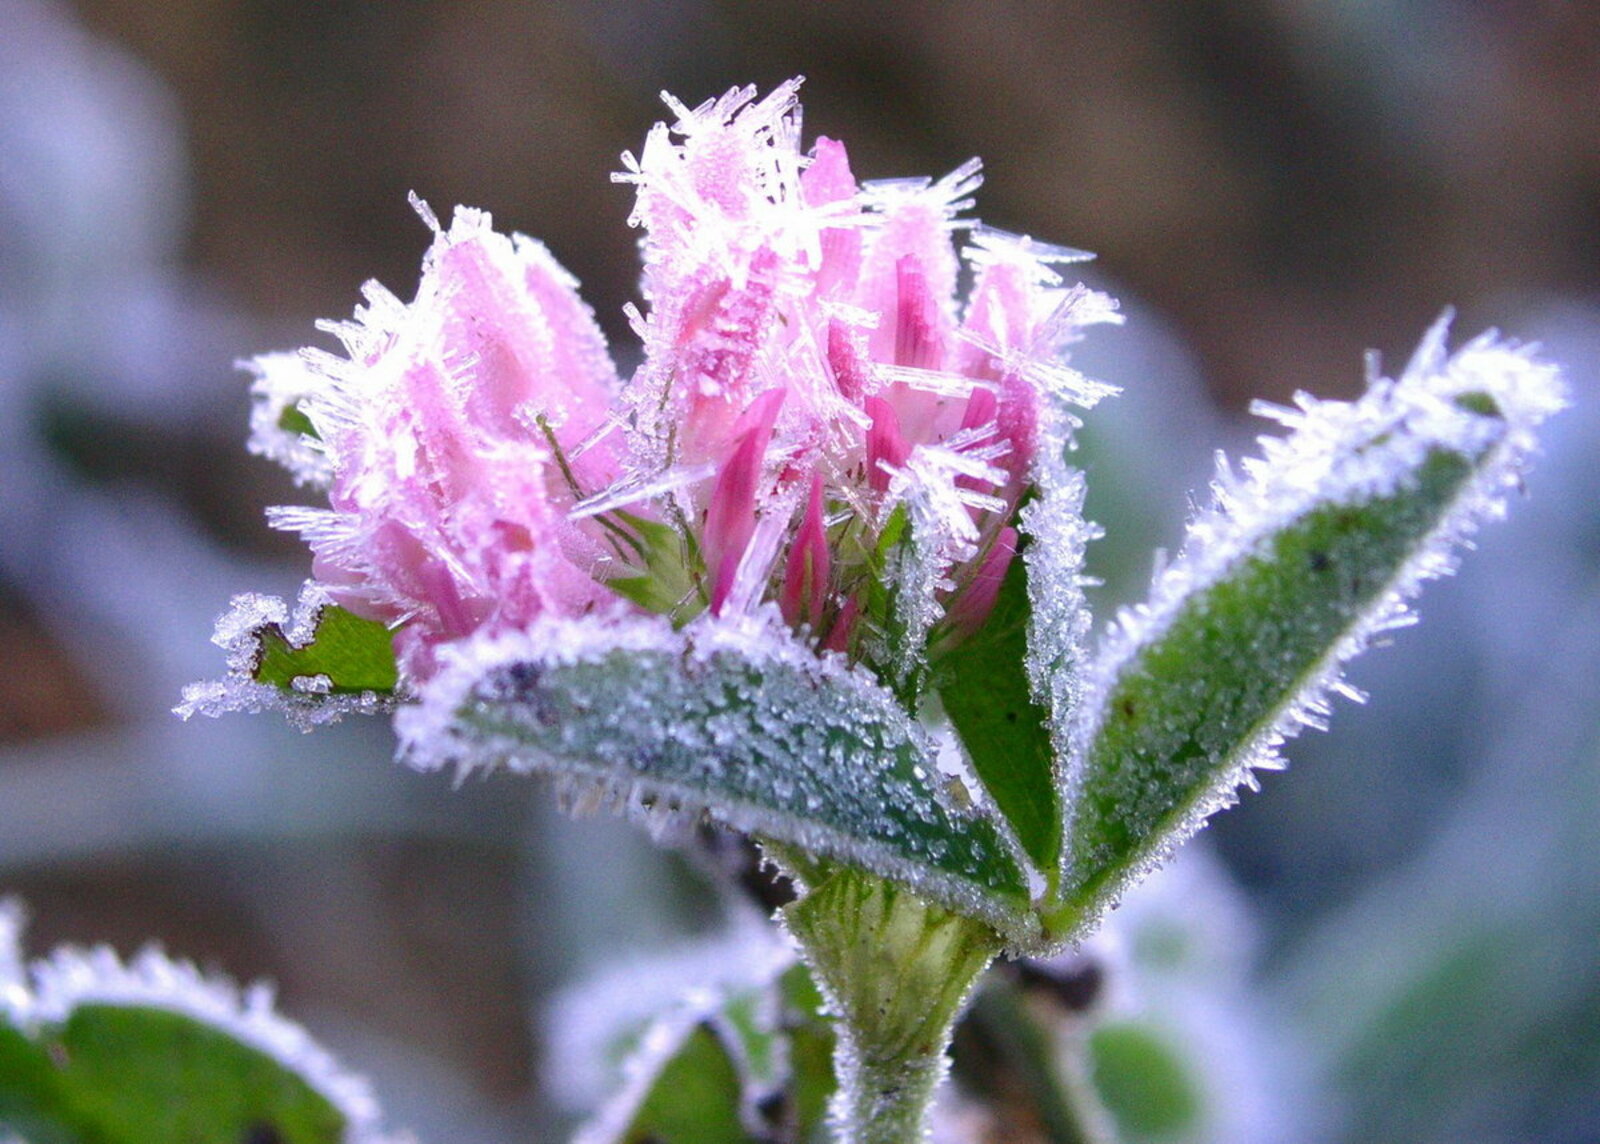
{"points": [[293, 420], [355, 654], [985, 693]]}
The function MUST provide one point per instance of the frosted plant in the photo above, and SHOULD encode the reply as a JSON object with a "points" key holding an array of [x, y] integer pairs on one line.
{"points": [[814, 571]]}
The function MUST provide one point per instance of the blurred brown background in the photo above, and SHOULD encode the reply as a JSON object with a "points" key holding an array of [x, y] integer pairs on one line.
{"points": [[1290, 183]]}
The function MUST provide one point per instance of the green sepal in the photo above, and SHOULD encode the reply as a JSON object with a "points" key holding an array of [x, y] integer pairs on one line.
{"points": [[355, 654], [986, 695], [896, 971], [668, 583]]}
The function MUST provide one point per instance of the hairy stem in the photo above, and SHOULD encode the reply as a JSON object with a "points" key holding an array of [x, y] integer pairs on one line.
{"points": [[896, 972]]}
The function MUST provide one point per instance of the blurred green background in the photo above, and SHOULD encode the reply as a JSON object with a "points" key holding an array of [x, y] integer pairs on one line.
{"points": [[1272, 187]]}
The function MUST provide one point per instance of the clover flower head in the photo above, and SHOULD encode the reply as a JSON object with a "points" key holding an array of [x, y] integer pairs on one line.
{"points": [[817, 411]]}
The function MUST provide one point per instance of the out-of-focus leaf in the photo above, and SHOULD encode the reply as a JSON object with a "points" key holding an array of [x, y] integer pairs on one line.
{"points": [[810, 1042], [694, 1099], [96, 1051], [1142, 1083], [130, 1074], [750, 1066]]}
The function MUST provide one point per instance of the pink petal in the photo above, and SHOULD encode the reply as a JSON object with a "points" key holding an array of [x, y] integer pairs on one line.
{"points": [[731, 513], [973, 606], [917, 338], [829, 180], [805, 581], [885, 445], [849, 371]]}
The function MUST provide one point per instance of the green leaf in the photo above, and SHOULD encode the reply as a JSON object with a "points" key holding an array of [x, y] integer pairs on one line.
{"points": [[1189, 713], [752, 1064], [355, 654], [695, 1097], [1284, 579], [731, 718], [985, 692], [29, 1097], [131, 1074], [1143, 1083], [95, 1051]]}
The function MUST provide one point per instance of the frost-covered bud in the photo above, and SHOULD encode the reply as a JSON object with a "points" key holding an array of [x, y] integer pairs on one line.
{"points": [[821, 428], [452, 441], [815, 392]]}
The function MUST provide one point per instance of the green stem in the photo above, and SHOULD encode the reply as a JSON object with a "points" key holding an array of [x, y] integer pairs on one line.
{"points": [[896, 972]]}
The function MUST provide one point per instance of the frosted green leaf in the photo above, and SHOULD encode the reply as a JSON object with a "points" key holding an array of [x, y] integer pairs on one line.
{"points": [[1287, 576], [95, 1051], [986, 694], [694, 1095], [352, 653], [316, 665], [730, 718], [721, 1039]]}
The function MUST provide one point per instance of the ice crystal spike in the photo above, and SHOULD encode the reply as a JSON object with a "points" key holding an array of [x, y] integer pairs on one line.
{"points": [[1289, 573]]}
